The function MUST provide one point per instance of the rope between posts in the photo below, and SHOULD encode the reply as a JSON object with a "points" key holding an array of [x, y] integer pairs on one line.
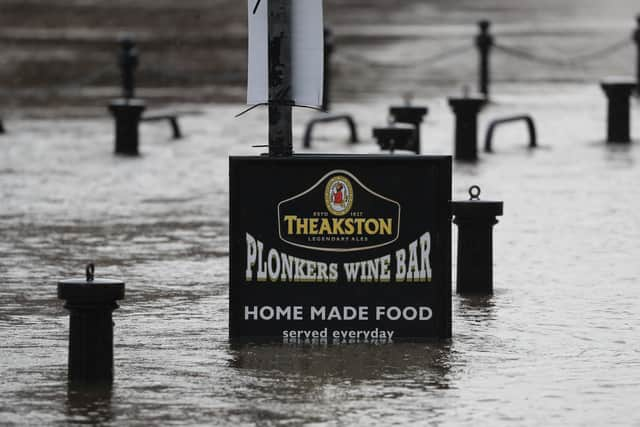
{"points": [[528, 56], [440, 56], [579, 59], [602, 52]]}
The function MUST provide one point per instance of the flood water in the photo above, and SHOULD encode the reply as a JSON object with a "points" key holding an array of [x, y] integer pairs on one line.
{"points": [[556, 345]]}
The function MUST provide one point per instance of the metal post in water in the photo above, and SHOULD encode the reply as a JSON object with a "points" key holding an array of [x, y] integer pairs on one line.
{"points": [[328, 51], [618, 92], [636, 39], [475, 219], [128, 61], [412, 115], [280, 78], [466, 132], [127, 110], [90, 302], [484, 42]]}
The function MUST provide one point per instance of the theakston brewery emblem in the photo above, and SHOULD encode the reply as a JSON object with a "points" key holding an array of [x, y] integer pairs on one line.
{"points": [[339, 195], [339, 213]]}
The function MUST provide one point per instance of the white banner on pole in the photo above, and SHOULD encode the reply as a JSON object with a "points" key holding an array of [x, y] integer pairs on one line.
{"points": [[307, 52]]}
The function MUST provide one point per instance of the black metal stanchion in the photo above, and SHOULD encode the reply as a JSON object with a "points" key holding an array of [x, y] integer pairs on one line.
{"points": [[127, 110], [484, 42], [475, 219], [466, 131], [618, 94], [326, 74], [636, 39], [90, 302]]}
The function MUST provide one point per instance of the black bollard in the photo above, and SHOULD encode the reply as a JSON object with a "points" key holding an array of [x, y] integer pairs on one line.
{"points": [[127, 114], [466, 131], [90, 302], [326, 84], [618, 92], [636, 39], [1, 127], [395, 137], [413, 116], [484, 42], [475, 219], [127, 111]]}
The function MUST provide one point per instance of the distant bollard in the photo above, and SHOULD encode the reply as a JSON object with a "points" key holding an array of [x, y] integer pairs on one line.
{"points": [[328, 52], [90, 302], [127, 114], [618, 92], [636, 39], [395, 137], [484, 42], [475, 219], [1, 127], [411, 115], [127, 111], [466, 131]]}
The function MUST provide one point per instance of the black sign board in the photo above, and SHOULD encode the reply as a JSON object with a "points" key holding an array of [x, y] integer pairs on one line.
{"points": [[340, 248]]}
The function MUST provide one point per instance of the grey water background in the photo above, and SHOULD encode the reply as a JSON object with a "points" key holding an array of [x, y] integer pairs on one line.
{"points": [[556, 345]]}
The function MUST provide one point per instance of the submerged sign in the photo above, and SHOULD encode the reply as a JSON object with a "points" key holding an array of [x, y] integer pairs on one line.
{"points": [[349, 248]]}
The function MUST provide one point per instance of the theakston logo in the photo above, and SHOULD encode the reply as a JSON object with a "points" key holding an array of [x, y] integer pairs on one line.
{"points": [[339, 213]]}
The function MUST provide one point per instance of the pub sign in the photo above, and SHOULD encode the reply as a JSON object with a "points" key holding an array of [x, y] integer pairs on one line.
{"points": [[340, 248]]}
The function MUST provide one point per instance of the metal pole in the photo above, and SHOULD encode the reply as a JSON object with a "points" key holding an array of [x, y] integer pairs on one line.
{"points": [[280, 117], [128, 60], [636, 38], [484, 41], [328, 50]]}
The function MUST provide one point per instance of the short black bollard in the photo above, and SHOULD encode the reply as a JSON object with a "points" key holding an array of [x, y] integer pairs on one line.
{"points": [[1, 127], [90, 302], [618, 93], [127, 114], [413, 116], [328, 52], [475, 219], [466, 131], [484, 42], [127, 111], [395, 137]]}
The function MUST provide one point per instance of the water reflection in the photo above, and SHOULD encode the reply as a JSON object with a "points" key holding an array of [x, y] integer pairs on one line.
{"points": [[427, 363], [90, 404], [619, 154], [477, 309]]}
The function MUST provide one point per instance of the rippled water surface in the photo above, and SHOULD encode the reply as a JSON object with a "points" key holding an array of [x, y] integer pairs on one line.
{"points": [[557, 344]]}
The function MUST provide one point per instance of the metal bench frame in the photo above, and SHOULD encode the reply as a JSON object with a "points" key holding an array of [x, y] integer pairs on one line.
{"points": [[328, 119], [533, 142]]}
